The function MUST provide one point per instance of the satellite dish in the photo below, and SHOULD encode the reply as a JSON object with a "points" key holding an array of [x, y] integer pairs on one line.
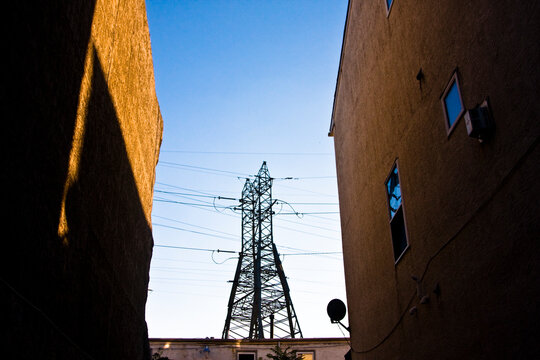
{"points": [[336, 310]]}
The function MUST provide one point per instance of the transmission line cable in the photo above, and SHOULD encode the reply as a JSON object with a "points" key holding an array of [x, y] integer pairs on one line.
{"points": [[188, 204], [190, 198], [196, 249], [187, 194], [194, 231], [247, 153], [183, 188], [309, 213], [197, 226], [313, 203], [309, 225], [309, 191], [306, 232], [314, 253], [203, 168]]}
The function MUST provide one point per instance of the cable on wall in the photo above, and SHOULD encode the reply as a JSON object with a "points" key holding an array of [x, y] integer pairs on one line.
{"points": [[451, 239]]}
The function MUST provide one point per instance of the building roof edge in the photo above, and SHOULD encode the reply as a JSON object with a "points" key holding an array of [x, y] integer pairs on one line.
{"points": [[224, 341], [332, 123]]}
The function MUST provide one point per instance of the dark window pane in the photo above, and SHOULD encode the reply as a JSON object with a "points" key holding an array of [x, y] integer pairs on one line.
{"points": [[246, 356], [399, 237], [452, 102]]}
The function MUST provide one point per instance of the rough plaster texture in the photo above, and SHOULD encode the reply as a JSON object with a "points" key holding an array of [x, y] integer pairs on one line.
{"points": [[471, 209], [220, 349], [81, 145]]}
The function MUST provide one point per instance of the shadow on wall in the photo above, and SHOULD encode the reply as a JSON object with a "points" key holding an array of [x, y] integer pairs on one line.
{"points": [[83, 295]]}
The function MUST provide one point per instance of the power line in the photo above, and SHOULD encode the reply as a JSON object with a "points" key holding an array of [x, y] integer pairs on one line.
{"points": [[323, 217], [295, 203], [194, 231], [306, 251], [306, 232], [183, 188], [181, 279], [189, 198], [333, 269], [197, 226], [196, 249], [306, 177], [189, 204], [195, 170], [198, 206], [180, 269], [206, 170], [330, 282], [220, 270], [178, 193], [315, 253], [312, 193], [246, 153], [179, 260], [187, 194], [309, 213], [223, 283], [183, 293], [310, 225], [203, 168], [209, 204], [309, 191]]}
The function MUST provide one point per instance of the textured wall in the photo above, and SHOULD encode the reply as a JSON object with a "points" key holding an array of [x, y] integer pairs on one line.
{"points": [[81, 145], [471, 209], [228, 349]]}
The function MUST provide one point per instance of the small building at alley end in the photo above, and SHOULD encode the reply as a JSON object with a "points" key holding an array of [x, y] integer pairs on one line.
{"points": [[249, 349], [436, 129]]}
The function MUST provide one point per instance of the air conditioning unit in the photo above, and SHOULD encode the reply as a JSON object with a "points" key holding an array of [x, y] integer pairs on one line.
{"points": [[478, 122]]}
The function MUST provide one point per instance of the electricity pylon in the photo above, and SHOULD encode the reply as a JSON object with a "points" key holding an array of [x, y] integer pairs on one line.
{"points": [[260, 304]]}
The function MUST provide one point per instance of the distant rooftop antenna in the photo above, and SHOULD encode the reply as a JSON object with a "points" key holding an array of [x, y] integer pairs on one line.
{"points": [[260, 304]]}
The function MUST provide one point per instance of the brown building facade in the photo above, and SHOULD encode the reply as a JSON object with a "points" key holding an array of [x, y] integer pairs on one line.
{"points": [[440, 229], [81, 136]]}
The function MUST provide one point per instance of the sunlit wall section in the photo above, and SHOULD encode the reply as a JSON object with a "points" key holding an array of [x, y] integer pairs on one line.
{"points": [[121, 39], [79, 170]]}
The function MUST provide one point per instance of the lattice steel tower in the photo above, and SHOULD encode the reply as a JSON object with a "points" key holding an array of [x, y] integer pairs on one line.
{"points": [[260, 304]]}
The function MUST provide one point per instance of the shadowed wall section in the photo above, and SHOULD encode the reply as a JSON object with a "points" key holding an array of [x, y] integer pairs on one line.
{"points": [[81, 149], [470, 209]]}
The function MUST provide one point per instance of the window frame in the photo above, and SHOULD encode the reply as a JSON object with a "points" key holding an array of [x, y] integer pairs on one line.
{"points": [[388, 8], [453, 79], [401, 207]]}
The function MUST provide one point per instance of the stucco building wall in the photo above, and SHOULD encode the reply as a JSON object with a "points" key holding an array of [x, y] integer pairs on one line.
{"points": [[80, 148], [226, 349], [470, 208]]}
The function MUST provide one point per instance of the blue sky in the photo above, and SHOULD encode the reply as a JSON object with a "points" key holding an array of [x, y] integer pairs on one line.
{"points": [[239, 83]]}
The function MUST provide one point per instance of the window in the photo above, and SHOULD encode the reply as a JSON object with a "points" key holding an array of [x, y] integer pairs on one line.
{"points": [[306, 355], [395, 208], [388, 5], [246, 356], [452, 103]]}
